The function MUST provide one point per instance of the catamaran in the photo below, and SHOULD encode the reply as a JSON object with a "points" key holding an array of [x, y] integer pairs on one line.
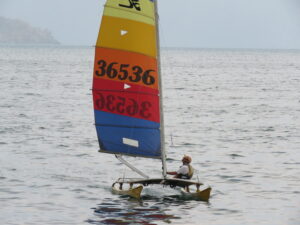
{"points": [[127, 93]]}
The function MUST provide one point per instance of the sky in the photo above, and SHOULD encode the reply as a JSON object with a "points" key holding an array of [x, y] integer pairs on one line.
{"points": [[259, 24]]}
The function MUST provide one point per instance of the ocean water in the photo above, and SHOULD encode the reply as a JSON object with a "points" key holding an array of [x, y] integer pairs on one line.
{"points": [[236, 112]]}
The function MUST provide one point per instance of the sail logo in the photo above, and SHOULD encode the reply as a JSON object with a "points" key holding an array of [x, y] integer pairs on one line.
{"points": [[132, 4]]}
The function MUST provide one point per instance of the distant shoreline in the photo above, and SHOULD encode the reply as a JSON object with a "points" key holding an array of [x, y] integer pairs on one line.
{"points": [[59, 45], [17, 32], [162, 48]]}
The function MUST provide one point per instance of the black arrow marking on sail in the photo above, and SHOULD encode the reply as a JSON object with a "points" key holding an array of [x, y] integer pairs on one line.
{"points": [[132, 4]]}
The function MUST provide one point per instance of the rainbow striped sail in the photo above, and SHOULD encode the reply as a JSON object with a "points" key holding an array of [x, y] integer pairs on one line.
{"points": [[126, 80]]}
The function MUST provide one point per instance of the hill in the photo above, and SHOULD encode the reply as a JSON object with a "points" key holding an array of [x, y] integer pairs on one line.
{"points": [[18, 32]]}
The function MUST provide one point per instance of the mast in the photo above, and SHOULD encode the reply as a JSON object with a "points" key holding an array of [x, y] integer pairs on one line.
{"points": [[162, 133]]}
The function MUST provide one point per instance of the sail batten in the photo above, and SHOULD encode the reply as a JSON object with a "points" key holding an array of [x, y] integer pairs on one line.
{"points": [[128, 154], [112, 90], [112, 125], [126, 91], [142, 54]]}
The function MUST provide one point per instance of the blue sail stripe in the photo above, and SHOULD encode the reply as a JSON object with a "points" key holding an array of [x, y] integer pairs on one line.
{"points": [[111, 137], [119, 120]]}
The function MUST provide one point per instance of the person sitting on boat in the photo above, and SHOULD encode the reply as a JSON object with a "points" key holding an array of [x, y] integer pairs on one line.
{"points": [[186, 171]]}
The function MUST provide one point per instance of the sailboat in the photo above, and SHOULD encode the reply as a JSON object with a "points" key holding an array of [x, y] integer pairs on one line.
{"points": [[127, 93]]}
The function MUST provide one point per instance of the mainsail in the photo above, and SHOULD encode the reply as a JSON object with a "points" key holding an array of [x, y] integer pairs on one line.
{"points": [[126, 80]]}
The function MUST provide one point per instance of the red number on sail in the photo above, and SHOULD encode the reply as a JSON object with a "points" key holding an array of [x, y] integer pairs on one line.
{"points": [[128, 106]]}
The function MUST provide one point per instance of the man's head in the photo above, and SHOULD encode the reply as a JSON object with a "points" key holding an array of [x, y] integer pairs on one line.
{"points": [[186, 159]]}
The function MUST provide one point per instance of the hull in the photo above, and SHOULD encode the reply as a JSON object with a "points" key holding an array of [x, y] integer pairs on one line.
{"points": [[203, 195], [134, 192]]}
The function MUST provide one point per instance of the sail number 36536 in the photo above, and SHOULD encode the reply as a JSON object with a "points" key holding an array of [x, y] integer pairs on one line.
{"points": [[121, 72], [123, 105]]}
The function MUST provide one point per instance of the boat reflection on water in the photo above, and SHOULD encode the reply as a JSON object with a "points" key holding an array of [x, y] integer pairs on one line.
{"points": [[131, 211]]}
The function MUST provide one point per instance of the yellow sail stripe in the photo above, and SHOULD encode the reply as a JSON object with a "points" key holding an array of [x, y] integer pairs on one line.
{"points": [[142, 10], [128, 35], [116, 12]]}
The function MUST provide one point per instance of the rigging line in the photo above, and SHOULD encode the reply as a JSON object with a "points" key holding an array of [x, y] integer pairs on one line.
{"points": [[178, 96], [198, 178], [162, 136], [124, 172], [165, 54], [130, 11], [119, 157]]}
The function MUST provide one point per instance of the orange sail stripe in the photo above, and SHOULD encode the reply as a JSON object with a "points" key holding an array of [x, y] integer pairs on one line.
{"points": [[126, 67]]}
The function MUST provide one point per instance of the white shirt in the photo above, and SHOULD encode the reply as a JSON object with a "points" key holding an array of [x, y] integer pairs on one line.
{"points": [[183, 170]]}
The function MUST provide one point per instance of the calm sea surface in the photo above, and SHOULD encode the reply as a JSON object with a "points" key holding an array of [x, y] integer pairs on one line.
{"points": [[237, 113]]}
